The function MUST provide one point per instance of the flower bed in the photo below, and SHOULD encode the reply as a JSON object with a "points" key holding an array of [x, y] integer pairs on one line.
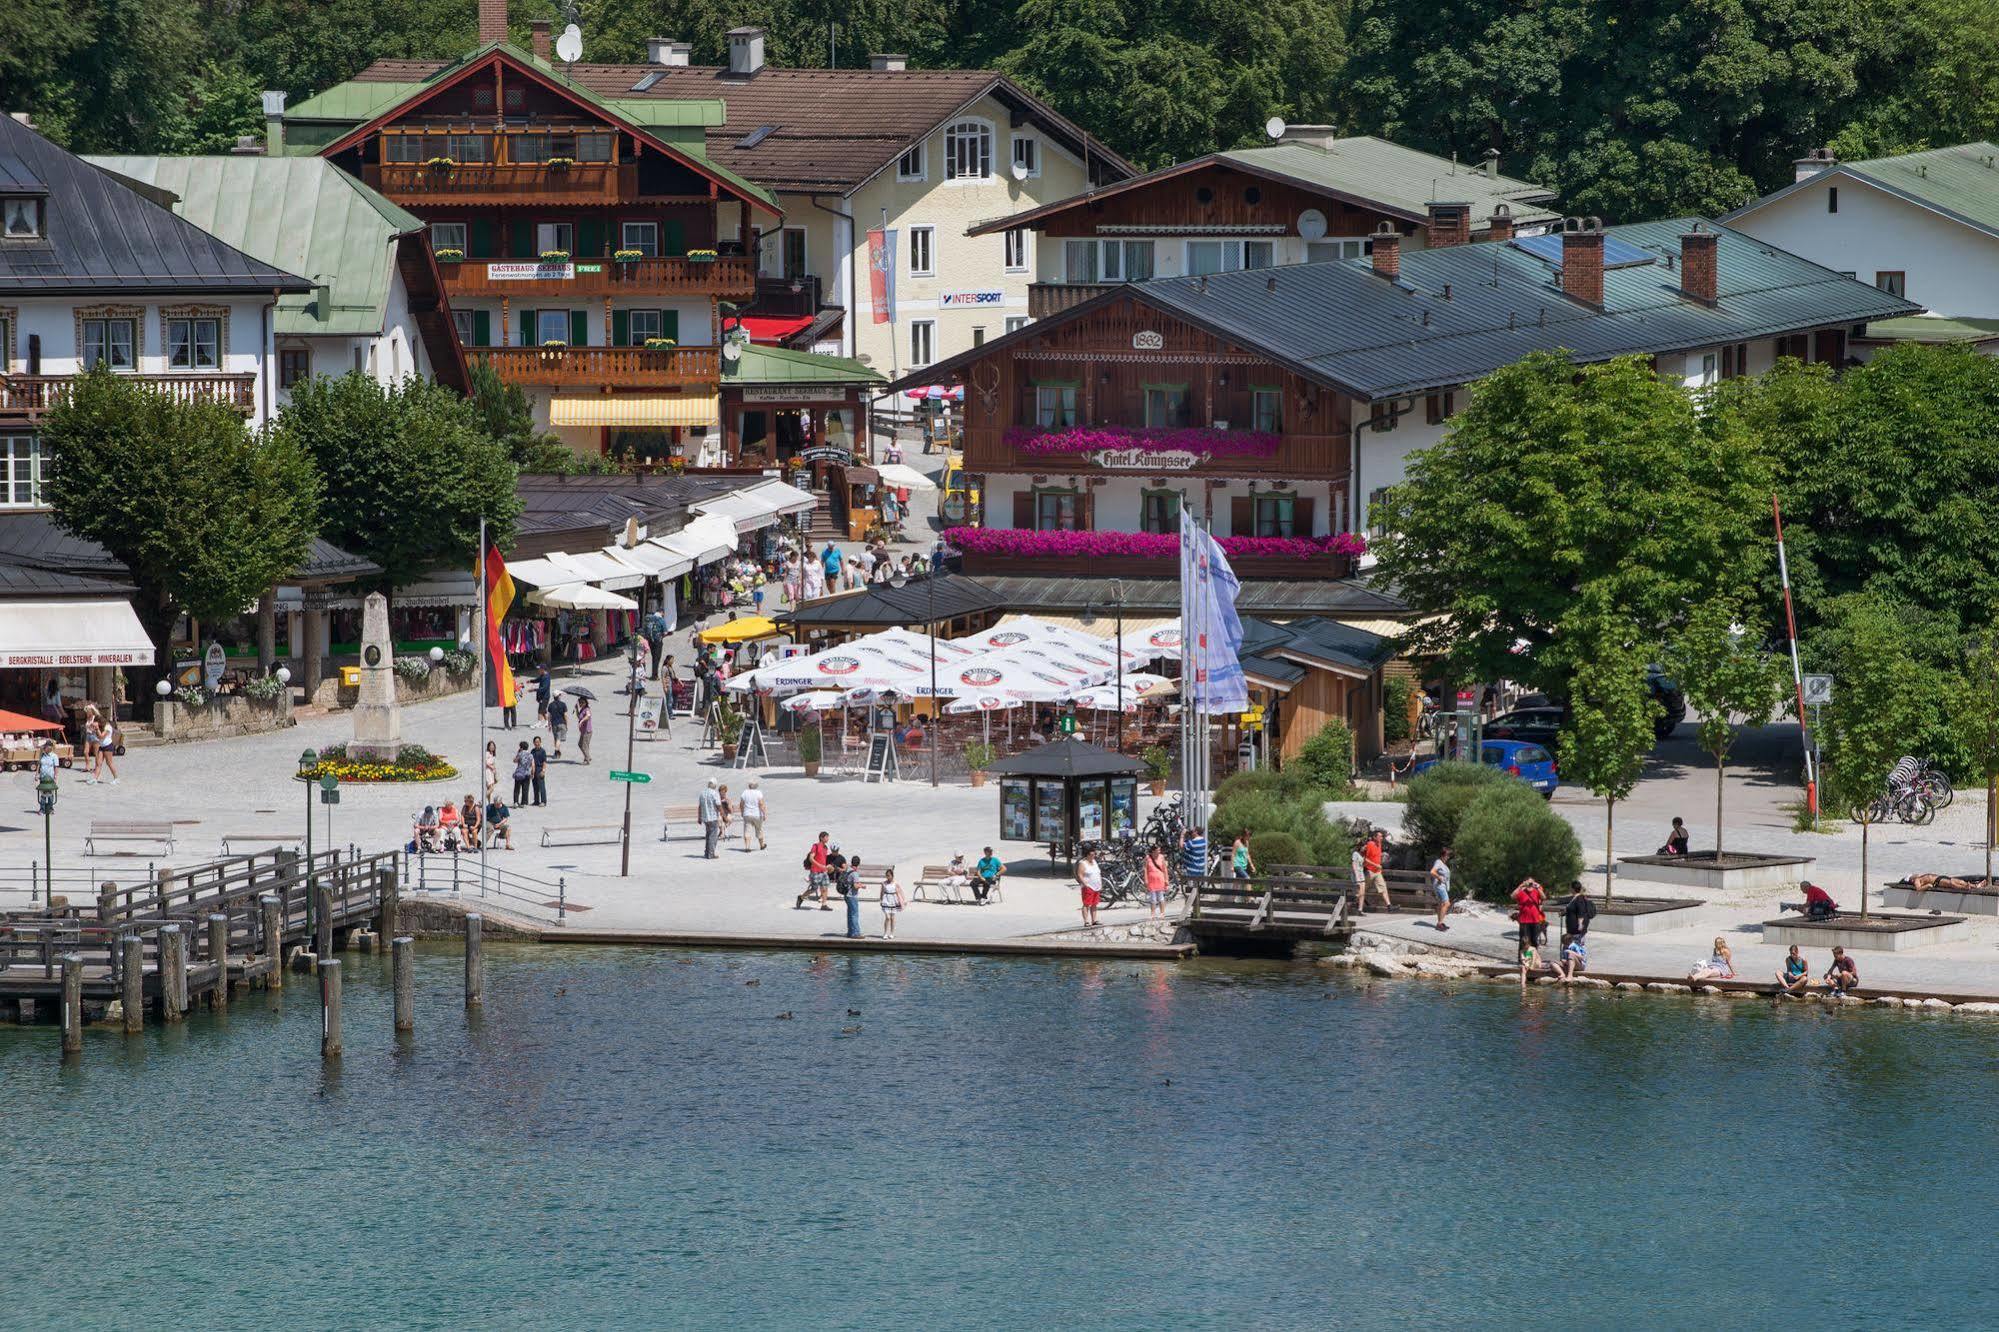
{"points": [[1201, 440], [413, 763], [1022, 544]]}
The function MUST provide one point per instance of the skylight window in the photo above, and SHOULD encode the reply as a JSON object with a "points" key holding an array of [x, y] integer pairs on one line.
{"points": [[756, 136]]}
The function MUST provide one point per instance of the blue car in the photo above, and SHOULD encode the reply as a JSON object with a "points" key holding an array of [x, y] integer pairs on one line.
{"points": [[1532, 764]]}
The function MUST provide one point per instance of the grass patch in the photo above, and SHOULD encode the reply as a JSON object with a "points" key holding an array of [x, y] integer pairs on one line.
{"points": [[1801, 819]]}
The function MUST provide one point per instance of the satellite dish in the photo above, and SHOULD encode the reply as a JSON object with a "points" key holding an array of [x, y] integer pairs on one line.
{"points": [[732, 351], [1312, 224], [1019, 171], [569, 46], [1274, 127]]}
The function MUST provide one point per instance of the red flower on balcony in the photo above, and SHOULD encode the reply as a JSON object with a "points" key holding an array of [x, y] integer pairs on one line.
{"points": [[1202, 440], [1023, 544]]}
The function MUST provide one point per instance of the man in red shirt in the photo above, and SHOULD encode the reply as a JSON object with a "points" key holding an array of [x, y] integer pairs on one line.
{"points": [[1527, 899], [1370, 859], [817, 874]]}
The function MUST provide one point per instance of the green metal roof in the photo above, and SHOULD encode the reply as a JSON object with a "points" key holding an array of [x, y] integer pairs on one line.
{"points": [[780, 365], [351, 103], [1961, 182], [302, 214], [1932, 328], [1383, 172]]}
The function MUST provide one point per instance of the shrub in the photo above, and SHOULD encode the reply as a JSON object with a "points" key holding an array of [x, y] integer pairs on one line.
{"points": [[1508, 833], [1395, 710], [809, 743], [977, 755], [1327, 758], [458, 665], [1258, 781], [1275, 848], [192, 696], [1437, 802], [1158, 762], [263, 688], [1296, 812]]}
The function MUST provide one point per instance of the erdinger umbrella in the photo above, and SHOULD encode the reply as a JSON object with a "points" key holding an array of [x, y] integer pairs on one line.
{"points": [[819, 700]]}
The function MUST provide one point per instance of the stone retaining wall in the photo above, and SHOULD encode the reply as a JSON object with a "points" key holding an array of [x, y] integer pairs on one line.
{"points": [[332, 694], [230, 714]]}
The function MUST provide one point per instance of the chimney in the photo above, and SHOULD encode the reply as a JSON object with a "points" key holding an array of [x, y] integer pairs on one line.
{"points": [[274, 123], [539, 39], [1699, 278], [1502, 223], [884, 62], [661, 51], [247, 145], [1312, 136], [1492, 164], [746, 51], [1449, 224], [1817, 160], [492, 21], [1582, 260], [1387, 249]]}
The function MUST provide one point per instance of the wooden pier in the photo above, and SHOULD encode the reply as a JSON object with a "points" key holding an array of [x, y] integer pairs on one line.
{"points": [[182, 936], [1267, 915]]}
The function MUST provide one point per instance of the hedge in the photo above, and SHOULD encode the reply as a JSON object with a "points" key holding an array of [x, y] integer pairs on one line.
{"points": [[1508, 833], [1438, 799], [1275, 848]]}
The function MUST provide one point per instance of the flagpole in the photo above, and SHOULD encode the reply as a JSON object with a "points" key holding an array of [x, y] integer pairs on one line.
{"points": [[485, 641]]}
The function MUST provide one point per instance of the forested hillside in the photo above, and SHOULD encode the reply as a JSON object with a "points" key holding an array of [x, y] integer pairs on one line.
{"points": [[1632, 108]]}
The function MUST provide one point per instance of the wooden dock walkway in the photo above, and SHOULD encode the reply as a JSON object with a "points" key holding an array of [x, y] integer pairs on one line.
{"points": [[1267, 914], [181, 936]]}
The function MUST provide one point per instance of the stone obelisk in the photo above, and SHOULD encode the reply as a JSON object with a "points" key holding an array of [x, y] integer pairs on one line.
{"points": [[378, 720]]}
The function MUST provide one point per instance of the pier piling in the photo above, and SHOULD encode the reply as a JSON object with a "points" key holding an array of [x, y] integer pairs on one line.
{"points": [[173, 965], [218, 952], [132, 982], [274, 939], [400, 962], [72, 1003], [475, 966], [329, 1008], [323, 901]]}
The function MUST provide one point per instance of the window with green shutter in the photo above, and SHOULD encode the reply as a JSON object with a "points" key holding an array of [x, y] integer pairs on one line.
{"points": [[621, 328], [479, 232], [676, 236], [521, 235], [579, 328], [482, 328], [527, 328], [669, 325], [590, 238]]}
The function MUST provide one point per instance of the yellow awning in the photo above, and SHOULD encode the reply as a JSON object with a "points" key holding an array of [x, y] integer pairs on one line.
{"points": [[744, 630], [631, 409]]}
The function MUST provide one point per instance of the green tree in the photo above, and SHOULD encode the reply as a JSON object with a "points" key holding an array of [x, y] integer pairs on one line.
{"points": [[1558, 479], [204, 514], [1508, 833], [1609, 732], [1728, 679], [1977, 708], [1882, 695], [407, 472], [503, 413]]}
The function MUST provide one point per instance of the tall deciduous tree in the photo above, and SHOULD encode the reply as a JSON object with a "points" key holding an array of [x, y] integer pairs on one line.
{"points": [[1719, 662], [407, 472], [1558, 479], [203, 513], [1977, 708], [1611, 711]]}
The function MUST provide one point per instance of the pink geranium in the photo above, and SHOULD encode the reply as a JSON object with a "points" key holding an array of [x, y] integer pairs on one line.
{"points": [[1021, 543], [1199, 440]]}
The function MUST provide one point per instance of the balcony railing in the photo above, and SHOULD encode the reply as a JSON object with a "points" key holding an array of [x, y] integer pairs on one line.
{"points": [[1047, 298], [505, 182], [32, 395], [603, 367], [788, 296], [726, 276]]}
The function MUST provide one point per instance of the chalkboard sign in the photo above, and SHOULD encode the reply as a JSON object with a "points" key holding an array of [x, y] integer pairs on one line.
{"points": [[881, 758], [750, 745]]}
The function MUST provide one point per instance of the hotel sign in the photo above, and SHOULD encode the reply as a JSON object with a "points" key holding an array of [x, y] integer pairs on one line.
{"points": [[1145, 460], [794, 393], [531, 272]]}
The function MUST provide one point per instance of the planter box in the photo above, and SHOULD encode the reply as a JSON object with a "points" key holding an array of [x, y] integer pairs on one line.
{"points": [[1976, 902], [1701, 870], [1876, 933], [233, 715], [1642, 915]]}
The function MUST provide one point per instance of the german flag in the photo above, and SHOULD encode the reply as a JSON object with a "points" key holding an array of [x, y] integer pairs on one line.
{"points": [[500, 689]]}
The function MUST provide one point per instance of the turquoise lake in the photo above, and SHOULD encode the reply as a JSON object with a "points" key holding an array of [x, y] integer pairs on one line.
{"points": [[634, 1138]]}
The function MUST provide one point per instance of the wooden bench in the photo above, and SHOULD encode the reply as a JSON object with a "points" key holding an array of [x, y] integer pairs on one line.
{"points": [[117, 830], [939, 878], [616, 831], [263, 840], [686, 816]]}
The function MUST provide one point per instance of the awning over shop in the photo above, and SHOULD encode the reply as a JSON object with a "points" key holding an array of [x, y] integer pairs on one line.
{"points": [[705, 539], [686, 409], [775, 329], [787, 500], [748, 512], [580, 596], [652, 559], [594, 566], [902, 474], [65, 634], [540, 573]]}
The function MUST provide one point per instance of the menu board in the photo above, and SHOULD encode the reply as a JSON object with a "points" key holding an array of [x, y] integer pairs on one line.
{"points": [[1049, 823], [1124, 805], [1016, 811]]}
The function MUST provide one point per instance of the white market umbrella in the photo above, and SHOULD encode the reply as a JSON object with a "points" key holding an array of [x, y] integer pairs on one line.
{"points": [[819, 700], [902, 474]]}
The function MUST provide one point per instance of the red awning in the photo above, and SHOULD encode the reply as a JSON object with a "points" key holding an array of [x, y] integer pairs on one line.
{"points": [[15, 721], [774, 329]]}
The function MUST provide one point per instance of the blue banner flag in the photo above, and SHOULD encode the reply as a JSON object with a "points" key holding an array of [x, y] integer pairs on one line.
{"points": [[1210, 631]]}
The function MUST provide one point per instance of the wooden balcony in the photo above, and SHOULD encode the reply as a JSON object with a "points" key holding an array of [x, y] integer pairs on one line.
{"points": [[1047, 298], [1132, 566], [33, 395], [1314, 457], [775, 295], [504, 182], [726, 278], [603, 367]]}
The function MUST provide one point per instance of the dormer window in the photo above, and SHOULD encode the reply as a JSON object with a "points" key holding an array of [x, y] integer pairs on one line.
{"points": [[20, 217]]}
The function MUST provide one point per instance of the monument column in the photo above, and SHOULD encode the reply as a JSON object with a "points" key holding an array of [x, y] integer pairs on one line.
{"points": [[378, 731]]}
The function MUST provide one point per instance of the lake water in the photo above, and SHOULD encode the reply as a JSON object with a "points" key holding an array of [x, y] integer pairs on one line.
{"points": [[632, 1137]]}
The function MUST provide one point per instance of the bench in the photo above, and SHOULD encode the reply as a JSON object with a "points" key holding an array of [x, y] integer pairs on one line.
{"points": [[263, 840], [616, 831], [939, 878], [688, 816], [114, 830]]}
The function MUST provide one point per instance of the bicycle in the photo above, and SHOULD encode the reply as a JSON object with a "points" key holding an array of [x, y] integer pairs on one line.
{"points": [[1908, 804]]}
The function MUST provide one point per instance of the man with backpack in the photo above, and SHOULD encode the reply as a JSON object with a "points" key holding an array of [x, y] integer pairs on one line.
{"points": [[818, 865], [846, 883], [1578, 912]]}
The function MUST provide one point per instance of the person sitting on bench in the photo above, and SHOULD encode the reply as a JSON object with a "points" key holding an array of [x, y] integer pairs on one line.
{"points": [[426, 829], [498, 829], [1795, 978], [450, 827], [1676, 840], [987, 874]]}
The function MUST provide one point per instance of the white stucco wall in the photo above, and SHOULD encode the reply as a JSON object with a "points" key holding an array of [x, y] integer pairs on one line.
{"points": [[54, 321], [1117, 501], [1951, 268]]}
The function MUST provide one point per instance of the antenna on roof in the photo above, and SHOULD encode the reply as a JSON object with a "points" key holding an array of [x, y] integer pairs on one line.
{"points": [[569, 46], [1274, 127]]}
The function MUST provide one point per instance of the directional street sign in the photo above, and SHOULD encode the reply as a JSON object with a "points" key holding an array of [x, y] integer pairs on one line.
{"points": [[640, 777]]}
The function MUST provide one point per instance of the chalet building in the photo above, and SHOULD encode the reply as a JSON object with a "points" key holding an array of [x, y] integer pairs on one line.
{"points": [[1311, 197], [919, 153], [1921, 225], [586, 243], [96, 269], [1278, 403], [377, 304]]}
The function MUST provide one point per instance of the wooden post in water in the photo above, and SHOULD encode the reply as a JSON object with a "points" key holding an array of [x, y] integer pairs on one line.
{"points": [[391, 898], [72, 1004], [173, 966], [274, 938], [323, 905], [133, 988], [218, 953], [107, 902], [329, 1007], [400, 962], [475, 965]]}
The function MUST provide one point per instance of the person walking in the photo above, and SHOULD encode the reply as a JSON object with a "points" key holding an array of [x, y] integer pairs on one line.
{"points": [[1370, 859], [847, 884], [817, 866], [492, 765], [585, 724], [709, 809], [107, 747], [523, 773], [544, 687], [1090, 880], [91, 738], [538, 758], [755, 811], [830, 560], [558, 723], [1527, 899], [726, 807], [1155, 882], [892, 902], [510, 713], [1240, 864], [1440, 884]]}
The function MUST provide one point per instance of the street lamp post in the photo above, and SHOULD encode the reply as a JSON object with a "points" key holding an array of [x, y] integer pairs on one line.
{"points": [[632, 688], [930, 616], [305, 777], [1090, 617], [45, 801]]}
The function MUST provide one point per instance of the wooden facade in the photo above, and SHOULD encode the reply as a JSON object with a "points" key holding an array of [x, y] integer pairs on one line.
{"points": [[1215, 196], [733, 278], [603, 367]]}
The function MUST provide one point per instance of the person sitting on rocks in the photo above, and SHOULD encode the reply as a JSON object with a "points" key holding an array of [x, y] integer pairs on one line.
{"points": [[1575, 957], [1719, 966], [1843, 976], [1676, 840], [1796, 977]]}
